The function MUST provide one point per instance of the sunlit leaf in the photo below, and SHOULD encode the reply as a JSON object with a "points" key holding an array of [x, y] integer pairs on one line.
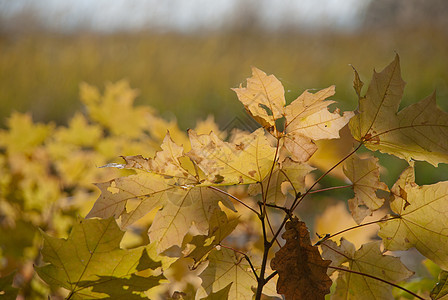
{"points": [[305, 120], [308, 116], [22, 135], [79, 132], [225, 267], [367, 260], [183, 209], [337, 218], [365, 176], [422, 218], [114, 109], [90, 263], [419, 131], [161, 182], [220, 228], [337, 254], [246, 160], [287, 176], [263, 98], [222, 294]]}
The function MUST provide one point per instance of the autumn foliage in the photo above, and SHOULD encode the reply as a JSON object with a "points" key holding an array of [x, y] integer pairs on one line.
{"points": [[217, 215]]}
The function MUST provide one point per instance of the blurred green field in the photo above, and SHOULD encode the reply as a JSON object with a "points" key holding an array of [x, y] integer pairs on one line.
{"points": [[190, 76]]}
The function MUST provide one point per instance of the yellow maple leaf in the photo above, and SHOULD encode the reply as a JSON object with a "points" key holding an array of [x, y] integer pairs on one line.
{"points": [[263, 98], [422, 221], [298, 124], [367, 260], [247, 159], [365, 176], [419, 131], [114, 109]]}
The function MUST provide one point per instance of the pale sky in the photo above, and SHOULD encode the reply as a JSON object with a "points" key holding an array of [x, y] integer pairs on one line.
{"points": [[108, 15]]}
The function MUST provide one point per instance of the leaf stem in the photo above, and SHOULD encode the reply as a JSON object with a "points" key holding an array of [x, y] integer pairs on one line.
{"points": [[271, 276], [329, 236], [234, 198], [245, 256], [278, 207], [265, 195], [379, 279]]}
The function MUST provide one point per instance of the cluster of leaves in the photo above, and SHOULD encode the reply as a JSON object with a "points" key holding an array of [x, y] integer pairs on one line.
{"points": [[47, 171], [216, 208]]}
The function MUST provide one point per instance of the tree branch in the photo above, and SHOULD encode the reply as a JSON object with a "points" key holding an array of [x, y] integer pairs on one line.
{"points": [[379, 279]]}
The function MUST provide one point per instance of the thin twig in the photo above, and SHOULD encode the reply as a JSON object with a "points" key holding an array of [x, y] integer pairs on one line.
{"points": [[270, 276], [272, 229], [297, 201], [287, 178], [331, 188], [278, 207], [326, 237], [245, 256], [234, 198], [379, 279]]}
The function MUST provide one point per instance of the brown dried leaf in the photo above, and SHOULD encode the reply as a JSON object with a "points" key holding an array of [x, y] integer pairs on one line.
{"points": [[302, 271]]}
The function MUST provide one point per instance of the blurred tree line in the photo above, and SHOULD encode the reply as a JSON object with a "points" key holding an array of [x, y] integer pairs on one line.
{"points": [[189, 75]]}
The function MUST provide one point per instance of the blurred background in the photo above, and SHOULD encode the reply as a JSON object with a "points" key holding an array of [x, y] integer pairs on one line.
{"points": [[185, 56]]}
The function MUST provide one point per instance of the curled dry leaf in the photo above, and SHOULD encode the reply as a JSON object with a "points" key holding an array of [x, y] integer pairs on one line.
{"points": [[302, 271]]}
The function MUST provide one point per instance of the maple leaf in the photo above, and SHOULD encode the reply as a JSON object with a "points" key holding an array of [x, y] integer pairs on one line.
{"points": [[91, 264], [289, 175], [247, 159], [337, 254], [306, 119], [301, 270], [308, 116], [220, 228], [263, 98], [114, 109], [222, 294], [441, 288], [22, 135], [225, 267], [168, 182], [181, 210], [365, 176], [79, 132], [419, 131], [422, 220], [367, 260]]}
